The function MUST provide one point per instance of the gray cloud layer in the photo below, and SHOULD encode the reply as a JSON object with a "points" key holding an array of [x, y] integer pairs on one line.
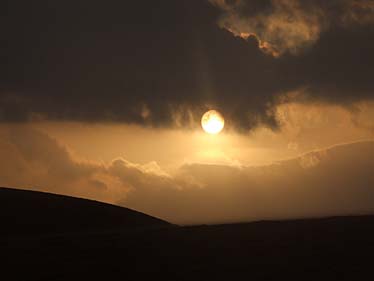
{"points": [[338, 180], [163, 64], [290, 26]]}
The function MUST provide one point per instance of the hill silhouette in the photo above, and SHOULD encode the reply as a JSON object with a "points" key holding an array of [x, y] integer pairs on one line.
{"points": [[30, 212], [47, 242]]}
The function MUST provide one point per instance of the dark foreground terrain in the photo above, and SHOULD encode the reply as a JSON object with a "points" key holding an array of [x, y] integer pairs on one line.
{"points": [[51, 237]]}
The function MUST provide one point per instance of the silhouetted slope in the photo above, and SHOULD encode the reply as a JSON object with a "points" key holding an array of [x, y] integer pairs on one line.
{"points": [[31, 212], [337, 248]]}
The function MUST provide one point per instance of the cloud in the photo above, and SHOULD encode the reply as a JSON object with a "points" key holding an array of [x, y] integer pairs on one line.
{"points": [[290, 26], [332, 181], [37, 161], [335, 181], [163, 65]]}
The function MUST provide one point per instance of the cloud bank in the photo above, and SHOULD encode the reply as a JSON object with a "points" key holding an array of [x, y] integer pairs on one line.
{"points": [[334, 181], [164, 64]]}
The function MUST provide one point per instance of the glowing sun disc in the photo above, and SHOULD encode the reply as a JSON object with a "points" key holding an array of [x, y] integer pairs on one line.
{"points": [[212, 122]]}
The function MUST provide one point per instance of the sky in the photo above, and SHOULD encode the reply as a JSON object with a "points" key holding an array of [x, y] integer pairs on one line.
{"points": [[104, 101]]}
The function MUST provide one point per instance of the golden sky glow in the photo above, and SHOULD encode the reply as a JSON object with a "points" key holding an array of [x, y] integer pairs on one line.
{"points": [[164, 172]]}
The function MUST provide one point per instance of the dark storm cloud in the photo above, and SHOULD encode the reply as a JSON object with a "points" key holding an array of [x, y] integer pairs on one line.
{"points": [[289, 26], [164, 63]]}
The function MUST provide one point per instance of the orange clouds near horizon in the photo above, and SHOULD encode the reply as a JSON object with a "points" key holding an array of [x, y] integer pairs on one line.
{"points": [[318, 163]]}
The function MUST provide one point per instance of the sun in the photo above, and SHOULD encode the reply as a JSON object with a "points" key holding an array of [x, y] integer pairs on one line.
{"points": [[212, 122]]}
